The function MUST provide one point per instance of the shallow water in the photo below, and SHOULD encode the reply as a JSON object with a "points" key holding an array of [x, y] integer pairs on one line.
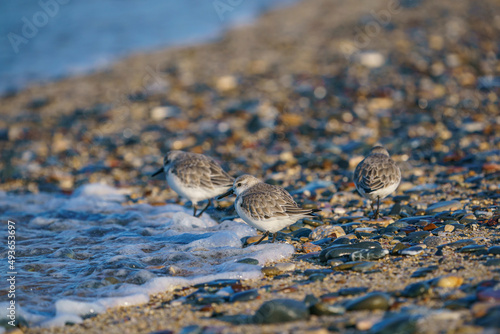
{"points": [[47, 39], [81, 254]]}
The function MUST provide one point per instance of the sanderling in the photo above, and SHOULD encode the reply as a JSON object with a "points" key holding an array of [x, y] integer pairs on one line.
{"points": [[377, 176], [195, 177], [265, 207]]}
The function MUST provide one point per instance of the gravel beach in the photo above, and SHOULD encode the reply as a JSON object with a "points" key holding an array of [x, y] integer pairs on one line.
{"points": [[298, 99]]}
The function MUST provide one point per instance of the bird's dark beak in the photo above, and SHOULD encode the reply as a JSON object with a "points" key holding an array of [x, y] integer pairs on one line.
{"points": [[159, 171], [229, 192]]}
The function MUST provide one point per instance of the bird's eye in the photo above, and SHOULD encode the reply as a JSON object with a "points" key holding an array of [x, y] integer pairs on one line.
{"points": [[239, 184]]}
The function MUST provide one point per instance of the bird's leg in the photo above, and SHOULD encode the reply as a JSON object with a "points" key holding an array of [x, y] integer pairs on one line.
{"points": [[194, 210], [263, 237], [372, 203], [206, 207], [274, 237], [378, 206]]}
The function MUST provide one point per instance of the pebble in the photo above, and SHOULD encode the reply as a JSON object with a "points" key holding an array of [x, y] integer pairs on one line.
{"points": [[424, 271], [244, 296], [322, 308], [412, 251], [399, 247], [192, 329], [444, 206], [281, 310], [449, 282], [346, 249], [449, 228], [364, 267], [459, 243], [369, 254], [492, 262], [491, 320], [326, 231], [348, 265], [285, 266], [495, 250], [254, 239], [489, 295], [398, 323], [248, 261], [416, 237], [415, 289], [432, 241], [352, 291], [372, 301], [475, 249], [309, 247], [271, 271]]}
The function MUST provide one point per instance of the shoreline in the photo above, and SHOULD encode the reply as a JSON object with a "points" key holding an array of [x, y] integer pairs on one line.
{"points": [[281, 100]]}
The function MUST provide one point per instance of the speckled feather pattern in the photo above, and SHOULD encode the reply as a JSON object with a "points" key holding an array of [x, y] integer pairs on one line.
{"points": [[200, 171], [265, 201], [377, 171]]}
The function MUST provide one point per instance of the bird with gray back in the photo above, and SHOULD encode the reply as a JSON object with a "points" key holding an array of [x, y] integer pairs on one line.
{"points": [[266, 207], [377, 176], [195, 177]]}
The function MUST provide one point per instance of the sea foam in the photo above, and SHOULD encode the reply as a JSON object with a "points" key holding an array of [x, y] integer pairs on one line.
{"points": [[82, 254]]}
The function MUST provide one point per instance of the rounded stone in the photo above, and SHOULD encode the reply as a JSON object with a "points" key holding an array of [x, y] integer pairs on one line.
{"points": [[415, 289], [372, 301], [281, 310]]}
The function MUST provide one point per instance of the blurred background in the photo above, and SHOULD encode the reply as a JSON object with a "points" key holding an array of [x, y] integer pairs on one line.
{"points": [[49, 39], [291, 91]]}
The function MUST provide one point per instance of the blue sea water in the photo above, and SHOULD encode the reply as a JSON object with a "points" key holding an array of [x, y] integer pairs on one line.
{"points": [[49, 39], [78, 255]]}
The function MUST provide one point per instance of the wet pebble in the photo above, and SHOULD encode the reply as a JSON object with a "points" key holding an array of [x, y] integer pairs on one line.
{"points": [[416, 237], [495, 250], [349, 265], [340, 250], [281, 310], [327, 231], [369, 254], [490, 320], [415, 290], [248, 261], [244, 296], [474, 249], [309, 247], [459, 243], [424, 271], [191, 329], [400, 323], [412, 251], [352, 291], [372, 301], [432, 241], [444, 206], [310, 272], [492, 262], [489, 295], [322, 308], [364, 267]]}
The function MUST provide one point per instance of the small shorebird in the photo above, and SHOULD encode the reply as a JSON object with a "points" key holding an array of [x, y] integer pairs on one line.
{"points": [[265, 207], [377, 176], [195, 177]]}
